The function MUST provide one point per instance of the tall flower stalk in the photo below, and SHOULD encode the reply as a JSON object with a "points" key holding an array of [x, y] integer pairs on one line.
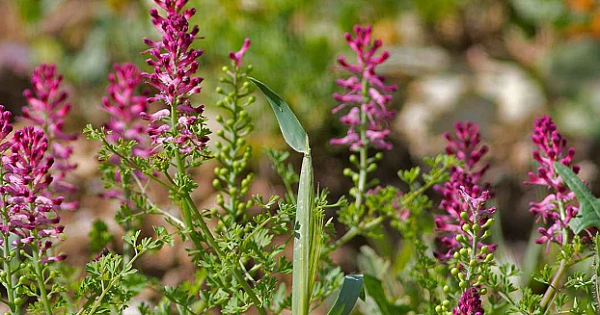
{"points": [[236, 124], [368, 99], [558, 208], [178, 130]]}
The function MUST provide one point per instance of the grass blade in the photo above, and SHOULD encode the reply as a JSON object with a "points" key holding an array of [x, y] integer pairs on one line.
{"points": [[292, 130], [348, 295], [302, 278]]}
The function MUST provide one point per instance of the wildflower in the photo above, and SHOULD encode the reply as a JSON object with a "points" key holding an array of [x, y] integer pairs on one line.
{"points": [[366, 93], [125, 107], [47, 109], [463, 192], [557, 208], [5, 128], [239, 55], [32, 216], [469, 303], [175, 65]]}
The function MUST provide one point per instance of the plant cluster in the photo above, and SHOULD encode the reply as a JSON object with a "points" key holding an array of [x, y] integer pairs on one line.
{"points": [[431, 252]]}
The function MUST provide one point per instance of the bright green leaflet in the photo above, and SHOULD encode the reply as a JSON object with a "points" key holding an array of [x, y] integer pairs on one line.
{"points": [[589, 211], [348, 295]]}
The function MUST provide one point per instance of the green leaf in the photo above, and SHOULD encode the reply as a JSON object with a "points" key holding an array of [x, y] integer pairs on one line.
{"points": [[349, 294], [375, 290], [589, 211], [292, 130]]}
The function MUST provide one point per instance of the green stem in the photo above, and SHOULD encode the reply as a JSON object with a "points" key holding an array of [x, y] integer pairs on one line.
{"points": [[362, 167], [8, 269], [39, 275], [560, 273]]}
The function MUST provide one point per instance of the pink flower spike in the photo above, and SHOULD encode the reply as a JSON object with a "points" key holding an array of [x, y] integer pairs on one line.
{"points": [[551, 147], [375, 101]]}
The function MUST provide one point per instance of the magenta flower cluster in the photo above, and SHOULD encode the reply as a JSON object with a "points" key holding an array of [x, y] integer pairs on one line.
{"points": [[47, 109], [175, 65], [31, 214], [551, 147], [469, 303], [125, 107], [463, 192], [365, 93]]}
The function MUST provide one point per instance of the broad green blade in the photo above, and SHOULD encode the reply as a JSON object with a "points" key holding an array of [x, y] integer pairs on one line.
{"points": [[589, 211], [302, 278], [375, 290], [348, 295], [292, 130]]}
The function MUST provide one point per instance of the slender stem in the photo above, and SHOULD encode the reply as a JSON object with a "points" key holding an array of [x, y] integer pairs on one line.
{"points": [[6, 263], [560, 273], [362, 167], [39, 275]]}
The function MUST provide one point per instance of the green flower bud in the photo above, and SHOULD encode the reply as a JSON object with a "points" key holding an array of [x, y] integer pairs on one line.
{"points": [[216, 183], [347, 172], [463, 251], [463, 284], [464, 216], [438, 309], [466, 227], [372, 167], [219, 90], [353, 158], [224, 69], [446, 289], [454, 271]]}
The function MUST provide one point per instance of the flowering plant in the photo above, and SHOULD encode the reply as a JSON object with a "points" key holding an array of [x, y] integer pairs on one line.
{"points": [[245, 247]]}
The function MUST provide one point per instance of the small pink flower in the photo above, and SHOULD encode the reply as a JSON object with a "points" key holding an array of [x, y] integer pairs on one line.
{"points": [[239, 55]]}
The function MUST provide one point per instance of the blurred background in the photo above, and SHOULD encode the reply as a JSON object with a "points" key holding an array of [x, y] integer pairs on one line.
{"points": [[500, 63]]}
